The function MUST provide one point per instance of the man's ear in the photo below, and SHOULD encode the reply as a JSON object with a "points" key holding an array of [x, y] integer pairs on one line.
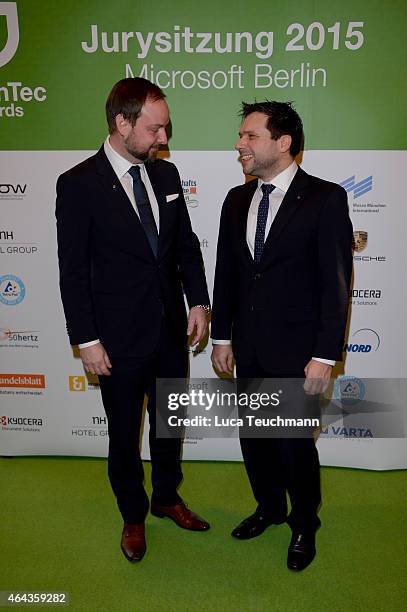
{"points": [[122, 125], [285, 143]]}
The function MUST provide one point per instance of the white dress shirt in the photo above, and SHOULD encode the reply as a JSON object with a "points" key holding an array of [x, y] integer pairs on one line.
{"points": [[121, 167], [281, 183]]}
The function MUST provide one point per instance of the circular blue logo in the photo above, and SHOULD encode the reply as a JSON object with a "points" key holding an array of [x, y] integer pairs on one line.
{"points": [[12, 290], [349, 390]]}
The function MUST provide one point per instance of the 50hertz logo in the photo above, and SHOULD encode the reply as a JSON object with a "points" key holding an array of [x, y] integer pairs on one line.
{"points": [[9, 10]]}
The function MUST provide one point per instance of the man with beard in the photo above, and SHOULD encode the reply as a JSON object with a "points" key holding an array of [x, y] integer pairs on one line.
{"points": [[126, 254], [281, 297]]}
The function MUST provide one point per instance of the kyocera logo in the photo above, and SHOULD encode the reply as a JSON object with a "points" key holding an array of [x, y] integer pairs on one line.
{"points": [[16, 420], [9, 11], [367, 341]]}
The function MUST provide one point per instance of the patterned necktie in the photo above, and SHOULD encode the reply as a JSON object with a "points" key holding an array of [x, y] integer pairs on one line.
{"points": [[261, 222], [144, 208]]}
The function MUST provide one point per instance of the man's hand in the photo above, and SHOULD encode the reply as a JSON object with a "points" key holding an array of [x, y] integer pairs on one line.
{"points": [[198, 319], [222, 358], [317, 377], [95, 359]]}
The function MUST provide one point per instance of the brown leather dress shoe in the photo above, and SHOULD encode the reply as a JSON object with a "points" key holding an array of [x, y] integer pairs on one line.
{"points": [[181, 515], [133, 542]]}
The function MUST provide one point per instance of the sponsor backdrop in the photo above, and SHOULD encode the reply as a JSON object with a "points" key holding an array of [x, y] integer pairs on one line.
{"points": [[343, 66]]}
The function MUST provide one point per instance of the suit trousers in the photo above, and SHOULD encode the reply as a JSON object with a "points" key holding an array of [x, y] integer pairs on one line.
{"points": [[123, 395], [278, 465]]}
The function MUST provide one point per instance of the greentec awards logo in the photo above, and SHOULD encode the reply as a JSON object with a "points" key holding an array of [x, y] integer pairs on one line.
{"points": [[9, 11], [14, 93]]}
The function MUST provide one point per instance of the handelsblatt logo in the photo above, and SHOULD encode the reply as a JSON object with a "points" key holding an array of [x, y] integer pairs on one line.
{"points": [[29, 381], [9, 11], [358, 189]]}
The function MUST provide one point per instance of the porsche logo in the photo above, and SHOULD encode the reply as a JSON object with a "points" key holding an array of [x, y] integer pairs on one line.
{"points": [[359, 241]]}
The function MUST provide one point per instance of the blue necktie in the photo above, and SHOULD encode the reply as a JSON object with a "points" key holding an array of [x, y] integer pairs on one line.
{"points": [[261, 222], [144, 209]]}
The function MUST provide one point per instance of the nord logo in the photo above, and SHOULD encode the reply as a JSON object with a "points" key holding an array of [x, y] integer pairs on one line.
{"points": [[358, 189], [357, 348], [7, 189], [370, 341], [9, 10]]}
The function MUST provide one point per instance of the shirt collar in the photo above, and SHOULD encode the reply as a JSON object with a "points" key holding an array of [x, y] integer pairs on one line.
{"points": [[119, 163], [283, 180]]}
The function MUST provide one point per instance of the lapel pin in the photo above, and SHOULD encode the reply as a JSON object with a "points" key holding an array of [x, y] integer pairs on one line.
{"points": [[114, 186]]}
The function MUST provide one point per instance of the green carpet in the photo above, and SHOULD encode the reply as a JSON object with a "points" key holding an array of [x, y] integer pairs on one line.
{"points": [[60, 531]]}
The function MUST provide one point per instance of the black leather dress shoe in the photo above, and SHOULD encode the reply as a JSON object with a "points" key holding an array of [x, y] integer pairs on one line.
{"points": [[254, 525], [301, 551]]}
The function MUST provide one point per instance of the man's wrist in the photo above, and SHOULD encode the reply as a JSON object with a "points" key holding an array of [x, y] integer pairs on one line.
{"points": [[86, 344], [205, 307], [330, 362]]}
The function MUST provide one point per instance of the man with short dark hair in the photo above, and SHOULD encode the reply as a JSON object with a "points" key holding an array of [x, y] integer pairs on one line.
{"points": [[126, 254], [280, 305]]}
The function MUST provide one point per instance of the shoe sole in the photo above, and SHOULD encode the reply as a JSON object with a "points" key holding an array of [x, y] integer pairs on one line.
{"points": [[300, 569], [131, 558], [259, 533]]}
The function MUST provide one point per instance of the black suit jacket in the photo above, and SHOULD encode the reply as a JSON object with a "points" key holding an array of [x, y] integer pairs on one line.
{"points": [[112, 286], [293, 305]]}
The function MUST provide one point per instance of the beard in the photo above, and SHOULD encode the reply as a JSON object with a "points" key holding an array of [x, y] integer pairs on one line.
{"points": [[143, 155], [259, 166]]}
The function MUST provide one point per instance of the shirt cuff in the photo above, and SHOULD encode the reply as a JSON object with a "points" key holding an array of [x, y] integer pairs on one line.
{"points": [[224, 342], [327, 361], [86, 344]]}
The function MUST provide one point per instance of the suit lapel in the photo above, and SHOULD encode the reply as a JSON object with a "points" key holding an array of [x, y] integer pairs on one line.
{"points": [[288, 207], [118, 198], [164, 210], [246, 200]]}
